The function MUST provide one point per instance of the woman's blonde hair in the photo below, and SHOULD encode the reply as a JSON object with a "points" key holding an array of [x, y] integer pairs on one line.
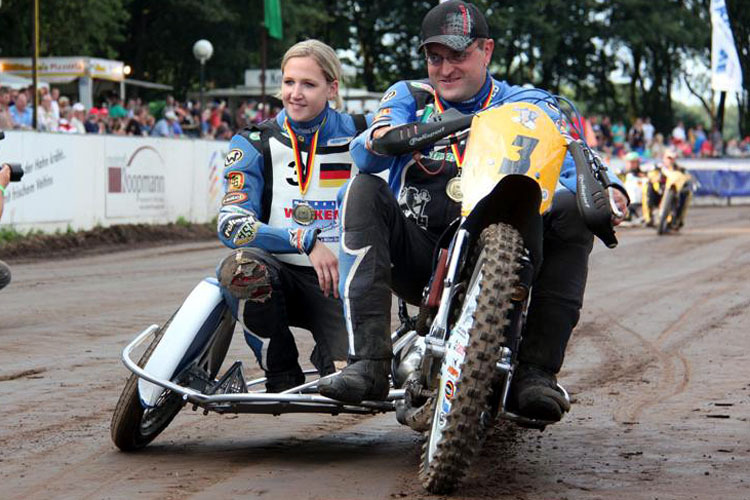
{"points": [[324, 56]]}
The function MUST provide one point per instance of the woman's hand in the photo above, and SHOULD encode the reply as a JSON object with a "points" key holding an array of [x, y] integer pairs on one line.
{"points": [[326, 266]]}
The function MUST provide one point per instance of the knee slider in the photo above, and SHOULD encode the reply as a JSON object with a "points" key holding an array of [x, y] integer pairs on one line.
{"points": [[245, 276]]}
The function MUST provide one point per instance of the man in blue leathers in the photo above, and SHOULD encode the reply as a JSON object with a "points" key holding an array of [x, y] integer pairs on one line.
{"points": [[389, 231]]}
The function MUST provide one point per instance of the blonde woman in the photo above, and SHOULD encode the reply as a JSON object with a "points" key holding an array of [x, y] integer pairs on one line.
{"points": [[280, 214]]}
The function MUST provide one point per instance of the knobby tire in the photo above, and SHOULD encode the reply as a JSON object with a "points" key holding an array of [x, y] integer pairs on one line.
{"points": [[499, 252]]}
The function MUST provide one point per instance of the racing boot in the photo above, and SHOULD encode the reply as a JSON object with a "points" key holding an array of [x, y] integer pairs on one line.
{"points": [[366, 379], [281, 381], [534, 394]]}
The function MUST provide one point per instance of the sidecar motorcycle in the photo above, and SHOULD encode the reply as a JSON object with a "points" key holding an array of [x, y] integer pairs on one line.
{"points": [[453, 362]]}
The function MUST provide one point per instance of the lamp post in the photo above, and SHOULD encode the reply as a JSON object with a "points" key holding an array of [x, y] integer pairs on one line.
{"points": [[202, 50]]}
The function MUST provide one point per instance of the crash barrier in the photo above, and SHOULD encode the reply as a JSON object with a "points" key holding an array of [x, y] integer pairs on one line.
{"points": [[721, 180], [83, 181]]}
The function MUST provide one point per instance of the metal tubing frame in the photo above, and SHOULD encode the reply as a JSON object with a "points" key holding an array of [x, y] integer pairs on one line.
{"points": [[283, 402]]}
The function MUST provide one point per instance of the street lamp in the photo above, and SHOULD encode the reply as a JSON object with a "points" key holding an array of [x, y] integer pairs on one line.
{"points": [[202, 50]]}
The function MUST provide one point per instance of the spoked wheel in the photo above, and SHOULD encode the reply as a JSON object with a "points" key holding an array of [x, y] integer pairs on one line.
{"points": [[462, 408], [134, 426]]}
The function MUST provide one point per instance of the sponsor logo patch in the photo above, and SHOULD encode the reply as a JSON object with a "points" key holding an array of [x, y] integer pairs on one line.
{"points": [[254, 136], [450, 390], [232, 224], [235, 181], [383, 113], [390, 95], [326, 218], [246, 234], [526, 117], [234, 198], [233, 157], [453, 371]]}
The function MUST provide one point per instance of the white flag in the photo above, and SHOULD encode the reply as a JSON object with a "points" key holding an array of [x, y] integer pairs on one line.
{"points": [[726, 73]]}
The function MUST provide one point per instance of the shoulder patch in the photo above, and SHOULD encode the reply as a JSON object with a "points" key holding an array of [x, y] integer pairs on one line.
{"points": [[390, 95], [421, 86], [233, 198], [254, 136], [382, 113], [235, 181], [233, 157]]}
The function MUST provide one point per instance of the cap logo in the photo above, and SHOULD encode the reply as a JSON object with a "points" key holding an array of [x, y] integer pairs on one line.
{"points": [[458, 23]]}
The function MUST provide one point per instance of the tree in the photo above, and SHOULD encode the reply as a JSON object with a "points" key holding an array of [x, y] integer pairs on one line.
{"points": [[66, 27]]}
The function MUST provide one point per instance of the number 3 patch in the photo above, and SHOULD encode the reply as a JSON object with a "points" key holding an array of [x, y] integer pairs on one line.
{"points": [[235, 181]]}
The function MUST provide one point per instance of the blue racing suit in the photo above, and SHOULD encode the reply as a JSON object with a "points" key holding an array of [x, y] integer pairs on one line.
{"points": [[268, 281], [389, 232]]}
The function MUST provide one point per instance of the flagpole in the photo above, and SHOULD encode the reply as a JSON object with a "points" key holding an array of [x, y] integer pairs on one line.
{"points": [[263, 49], [34, 60]]}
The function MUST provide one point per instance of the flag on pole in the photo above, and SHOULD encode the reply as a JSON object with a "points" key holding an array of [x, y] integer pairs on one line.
{"points": [[272, 18], [726, 73]]}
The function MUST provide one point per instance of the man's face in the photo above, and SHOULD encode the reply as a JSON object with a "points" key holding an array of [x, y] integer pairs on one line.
{"points": [[21, 102], [458, 76], [4, 99]]}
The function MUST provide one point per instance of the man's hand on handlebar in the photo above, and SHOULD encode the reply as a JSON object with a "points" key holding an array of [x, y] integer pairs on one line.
{"points": [[5, 175]]}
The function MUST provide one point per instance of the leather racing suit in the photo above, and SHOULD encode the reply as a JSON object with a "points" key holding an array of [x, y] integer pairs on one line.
{"points": [[269, 282], [389, 232]]}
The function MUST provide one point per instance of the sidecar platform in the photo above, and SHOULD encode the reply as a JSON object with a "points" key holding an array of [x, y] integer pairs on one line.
{"points": [[301, 399]]}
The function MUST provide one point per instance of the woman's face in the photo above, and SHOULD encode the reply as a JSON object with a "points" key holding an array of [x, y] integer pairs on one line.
{"points": [[304, 89]]}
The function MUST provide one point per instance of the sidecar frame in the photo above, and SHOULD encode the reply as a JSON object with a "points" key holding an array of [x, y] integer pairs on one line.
{"points": [[301, 399]]}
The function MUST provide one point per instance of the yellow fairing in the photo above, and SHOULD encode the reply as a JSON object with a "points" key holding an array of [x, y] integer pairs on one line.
{"points": [[516, 138]]}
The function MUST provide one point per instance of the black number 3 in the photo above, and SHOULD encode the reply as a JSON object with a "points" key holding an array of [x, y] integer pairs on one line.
{"points": [[522, 164]]}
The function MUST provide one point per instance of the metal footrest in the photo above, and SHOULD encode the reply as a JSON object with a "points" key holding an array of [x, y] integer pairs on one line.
{"points": [[233, 381]]}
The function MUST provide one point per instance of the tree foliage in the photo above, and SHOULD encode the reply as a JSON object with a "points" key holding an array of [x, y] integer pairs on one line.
{"points": [[573, 47]]}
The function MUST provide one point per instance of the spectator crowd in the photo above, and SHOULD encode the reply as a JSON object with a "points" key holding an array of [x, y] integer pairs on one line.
{"points": [[169, 118], [618, 139]]}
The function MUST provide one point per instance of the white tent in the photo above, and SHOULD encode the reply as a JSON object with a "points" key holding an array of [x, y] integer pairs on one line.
{"points": [[18, 82]]}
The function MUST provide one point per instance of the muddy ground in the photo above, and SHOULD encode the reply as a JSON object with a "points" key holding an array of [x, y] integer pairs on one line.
{"points": [[659, 371]]}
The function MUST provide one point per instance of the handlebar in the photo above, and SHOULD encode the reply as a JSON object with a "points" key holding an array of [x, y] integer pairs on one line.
{"points": [[411, 137]]}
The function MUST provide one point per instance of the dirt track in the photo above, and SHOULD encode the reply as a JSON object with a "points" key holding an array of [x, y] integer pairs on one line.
{"points": [[658, 370]]}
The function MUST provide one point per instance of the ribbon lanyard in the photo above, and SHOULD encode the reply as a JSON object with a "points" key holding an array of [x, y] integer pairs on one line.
{"points": [[304, 172], [459, 156]]}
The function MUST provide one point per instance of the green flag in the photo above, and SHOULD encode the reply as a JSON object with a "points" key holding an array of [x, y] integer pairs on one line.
{"points": [[272, 19]]}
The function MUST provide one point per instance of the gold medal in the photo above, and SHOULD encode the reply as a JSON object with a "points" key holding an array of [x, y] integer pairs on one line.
{"points": [[453, 189], [303, 214]]}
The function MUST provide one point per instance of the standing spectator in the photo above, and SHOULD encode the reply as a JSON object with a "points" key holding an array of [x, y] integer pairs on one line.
{"points": [[92, 121], [79, 116], [6, 121], [657, 148], [618, 136], [21, 112], [117, 110], [635, 137], [648, 131], [717, 141], [45, 116], [606, 128], [699, 137], [136, 123], [55, 99], [240, 116], [678, 133]]}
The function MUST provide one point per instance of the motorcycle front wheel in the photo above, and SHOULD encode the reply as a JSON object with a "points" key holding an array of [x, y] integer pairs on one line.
{"points": [[462, 409], [133, 426]]}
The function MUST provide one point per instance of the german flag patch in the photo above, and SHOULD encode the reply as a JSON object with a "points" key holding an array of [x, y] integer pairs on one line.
{"points": [[334, 174]]}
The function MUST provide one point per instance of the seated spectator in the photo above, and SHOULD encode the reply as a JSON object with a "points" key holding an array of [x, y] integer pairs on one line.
{"points": [[64, 125], [136, 125], [657, 148], [166, 126], [21, 113]]}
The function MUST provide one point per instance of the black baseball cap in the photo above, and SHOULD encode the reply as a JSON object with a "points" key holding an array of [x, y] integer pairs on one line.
{"points": [[455, 24]]}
